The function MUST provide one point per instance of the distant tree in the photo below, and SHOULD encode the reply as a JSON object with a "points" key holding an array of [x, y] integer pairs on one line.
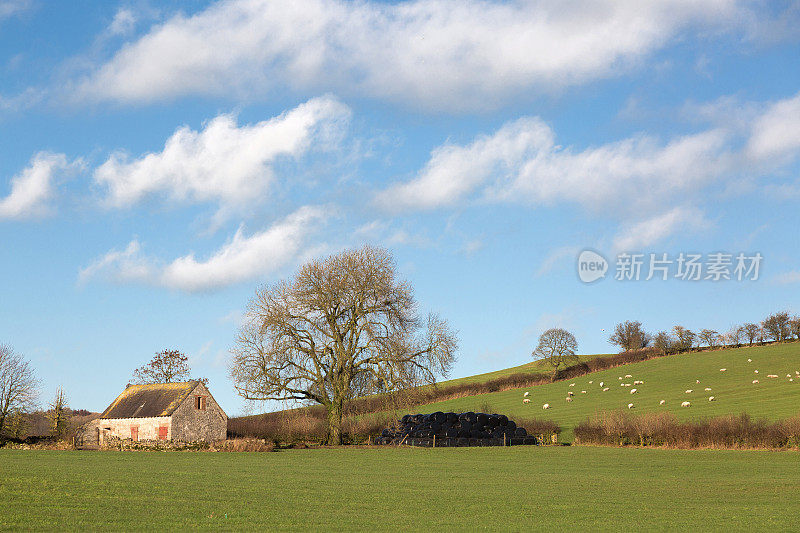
{"points": [[59, 415], [557, 347], [685, 338], [751, 332], [344, 326], [776, 326], [18, 384], [709, 337], [167, 366], [794, 327], [663, 343], [629, 335], [734, 336]]}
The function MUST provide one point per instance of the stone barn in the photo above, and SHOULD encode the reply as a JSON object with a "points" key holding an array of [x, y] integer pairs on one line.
{"points": [[184, 412]]}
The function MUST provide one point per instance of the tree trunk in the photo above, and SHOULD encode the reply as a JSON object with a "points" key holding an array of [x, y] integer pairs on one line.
{"points": [[335, 423]]}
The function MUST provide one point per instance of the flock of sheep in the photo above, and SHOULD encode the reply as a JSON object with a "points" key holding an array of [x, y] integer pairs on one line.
{"points": [[634, 390]]}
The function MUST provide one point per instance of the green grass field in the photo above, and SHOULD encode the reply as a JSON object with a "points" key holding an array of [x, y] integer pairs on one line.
{"points": [[664, 378], [508, 489]]}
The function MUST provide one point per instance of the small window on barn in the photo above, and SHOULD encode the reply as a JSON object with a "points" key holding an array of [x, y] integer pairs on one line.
{"points": [[200, 402], [162, 432]]}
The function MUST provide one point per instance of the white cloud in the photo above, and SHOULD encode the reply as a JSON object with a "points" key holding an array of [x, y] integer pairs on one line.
{"points": [[34, 187], [123, 23], [243, 258], [224, 162], [555, 257], [640, 235], [9, 8], [776, 133], [521, 162], [452, 54]]}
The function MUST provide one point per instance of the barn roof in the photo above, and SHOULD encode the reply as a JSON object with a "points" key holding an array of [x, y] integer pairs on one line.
{"points": [[145, 401]]}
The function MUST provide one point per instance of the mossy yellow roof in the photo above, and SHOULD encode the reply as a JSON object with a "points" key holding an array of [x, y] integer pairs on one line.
{"points": [[145, 401]]}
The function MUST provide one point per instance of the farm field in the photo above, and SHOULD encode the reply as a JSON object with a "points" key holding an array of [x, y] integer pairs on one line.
{"points": [[664, 378], [521, 488]]}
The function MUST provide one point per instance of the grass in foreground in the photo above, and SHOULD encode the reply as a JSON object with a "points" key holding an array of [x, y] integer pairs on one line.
{"points": [[521, 488]]}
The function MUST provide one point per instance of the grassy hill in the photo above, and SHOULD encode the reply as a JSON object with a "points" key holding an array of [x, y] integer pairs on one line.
{"points": [[665, 378]]}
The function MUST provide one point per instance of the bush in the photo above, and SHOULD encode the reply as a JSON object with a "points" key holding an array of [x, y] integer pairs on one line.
{"points": [[618, 428]]}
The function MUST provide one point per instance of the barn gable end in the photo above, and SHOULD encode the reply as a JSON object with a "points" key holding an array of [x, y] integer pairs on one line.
{"points": [[199, 417]]}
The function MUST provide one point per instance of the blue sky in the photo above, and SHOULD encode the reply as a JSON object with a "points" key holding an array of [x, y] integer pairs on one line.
{"points": [[159, 162]]}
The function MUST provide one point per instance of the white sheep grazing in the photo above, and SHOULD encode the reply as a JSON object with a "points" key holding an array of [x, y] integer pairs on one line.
{"points": [[570, 393], [633, 391], [620, 378], [637, 382], [797, 372], [711, 398], [756, 371], [686, 404], [526, 394], [630, 406], [749, 360], [723, 369], [697, 381], [605, 389], [571, 384], [628, 376], [626, 384], [569, 398], [591, 382], [546, 406], [601, 383], [708, 389], [583, 392], [773, 376], [755, 381], [689, 391], [662, 402], [526, 400]]}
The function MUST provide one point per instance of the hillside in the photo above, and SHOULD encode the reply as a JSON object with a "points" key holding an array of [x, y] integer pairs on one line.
{"points": [[664, 378]]}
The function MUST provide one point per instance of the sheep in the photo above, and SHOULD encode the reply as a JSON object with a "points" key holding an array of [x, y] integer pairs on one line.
{"points": [[772, 376], [723, 369], [697, 381], [749, 360], [628, 376], [620, 378], [711, 399], [570, 393], [583, 392], [526, 400], [755, 381], [605, 389], [569, 398], [630, 406], [626, 384], [797, 372], [638, 382], [788, 375], [633, 391], [686, 404], [662, 402], [546, 406], [689, 391], [708, 389], [526, 394], [571, 384], [756, 371], [591, 382], [601, 384]]}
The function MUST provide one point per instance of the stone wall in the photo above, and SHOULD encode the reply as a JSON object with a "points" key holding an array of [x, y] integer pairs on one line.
{"points": [[190, 424]]}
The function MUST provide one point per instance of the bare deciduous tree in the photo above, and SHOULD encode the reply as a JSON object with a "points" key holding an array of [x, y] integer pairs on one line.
{"points": [[663, 343], [709, 337], [343, 327], [557, 347], [794, 327], [751, 332], [167, 366], [734, 336], [685, 338], [776, 326], [58, 416], [18, 384], [630, 336]]}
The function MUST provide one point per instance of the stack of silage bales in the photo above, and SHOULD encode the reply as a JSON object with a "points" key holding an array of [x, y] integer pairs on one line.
{"points": [[456, 429]]}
